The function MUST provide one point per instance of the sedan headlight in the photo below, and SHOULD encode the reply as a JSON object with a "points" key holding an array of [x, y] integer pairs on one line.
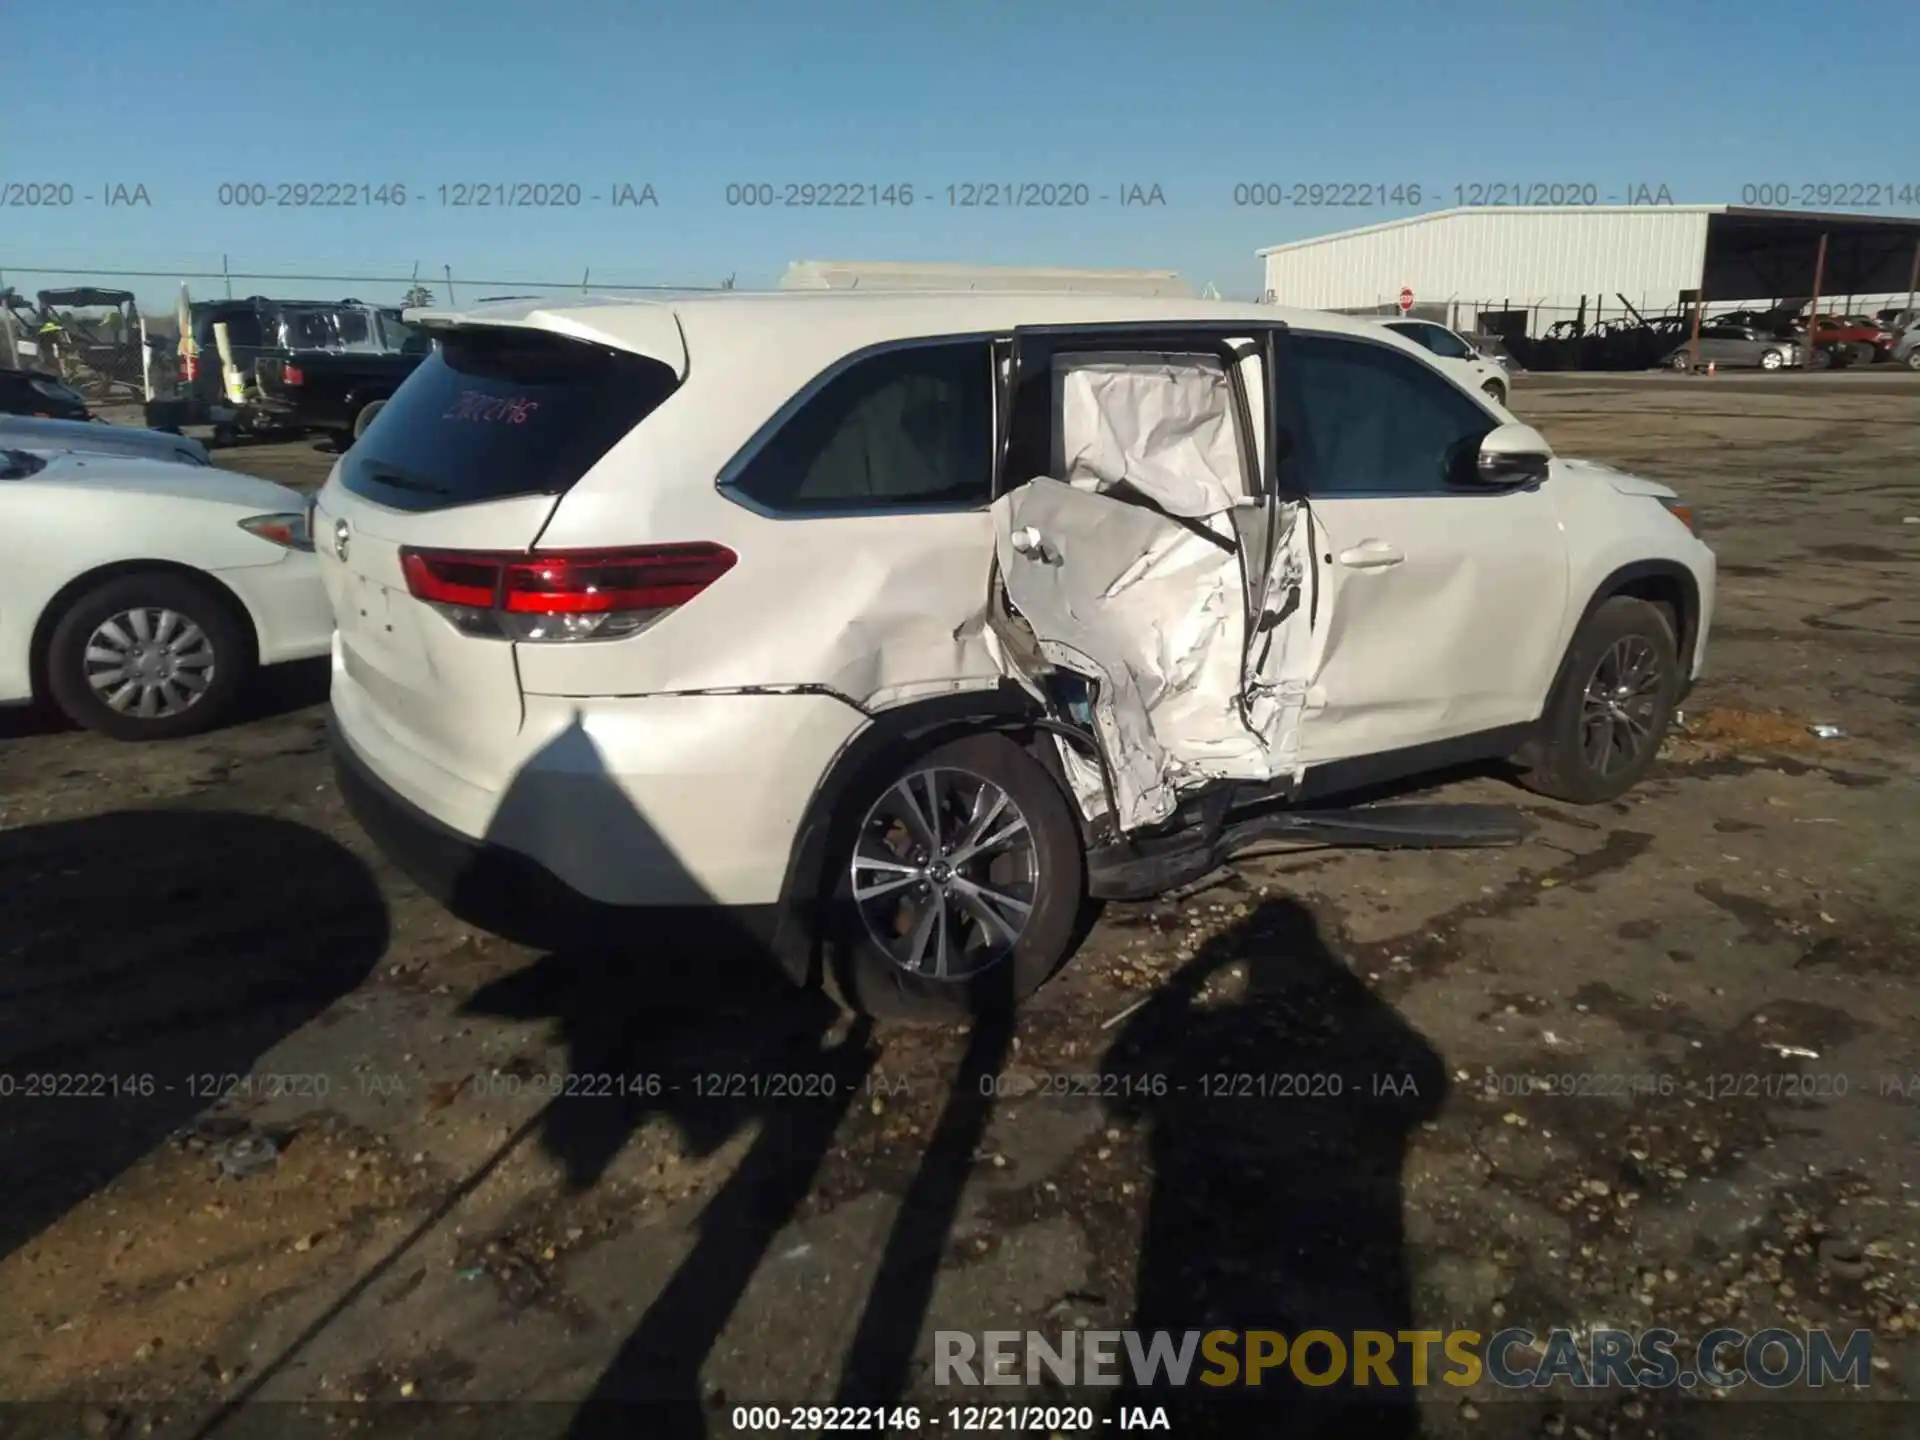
{"points": [[289, 528]]}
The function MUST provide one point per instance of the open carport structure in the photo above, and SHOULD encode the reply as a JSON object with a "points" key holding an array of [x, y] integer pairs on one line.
{"points": [[1500, 268]]}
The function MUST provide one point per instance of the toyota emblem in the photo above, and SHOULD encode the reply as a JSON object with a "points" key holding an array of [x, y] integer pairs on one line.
{"points": [[340, 538]]}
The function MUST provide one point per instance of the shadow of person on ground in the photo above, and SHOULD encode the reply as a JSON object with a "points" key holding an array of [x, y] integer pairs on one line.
{"points": [[1278, 1093], [680, 1014], [878, 1368], [147, 960]]}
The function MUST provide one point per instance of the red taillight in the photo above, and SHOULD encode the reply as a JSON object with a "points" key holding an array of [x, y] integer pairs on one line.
{"points": [[291, 375], [189, 368], [592, 594]]}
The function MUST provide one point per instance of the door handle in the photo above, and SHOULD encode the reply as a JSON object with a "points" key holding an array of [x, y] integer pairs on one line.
{"points": [[1371, 555], [1031, 543]]}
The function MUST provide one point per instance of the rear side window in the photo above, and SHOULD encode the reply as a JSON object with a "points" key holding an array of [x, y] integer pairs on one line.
{"points": [[498, 413], [909, 428]]}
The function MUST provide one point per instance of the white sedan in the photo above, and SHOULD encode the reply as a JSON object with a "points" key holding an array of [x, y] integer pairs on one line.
{"points": [[1457, 355], [139, 596]]}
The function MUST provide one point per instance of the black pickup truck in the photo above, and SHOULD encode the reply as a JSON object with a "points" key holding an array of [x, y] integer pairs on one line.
{"points": [[300, 365], [335, 375]]}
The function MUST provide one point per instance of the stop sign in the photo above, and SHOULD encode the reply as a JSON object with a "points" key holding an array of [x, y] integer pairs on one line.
{"points": [[1406, 299]]}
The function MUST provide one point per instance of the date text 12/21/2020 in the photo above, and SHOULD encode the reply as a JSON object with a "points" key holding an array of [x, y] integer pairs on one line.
{"points": [[967, 195], [459, 195], [1410, 195]]}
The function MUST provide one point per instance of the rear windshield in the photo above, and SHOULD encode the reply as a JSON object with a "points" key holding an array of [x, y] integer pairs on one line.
{"points": [[498, 413]]}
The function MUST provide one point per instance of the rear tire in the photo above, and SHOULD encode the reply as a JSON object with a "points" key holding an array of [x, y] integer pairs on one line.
{"points": [[877, 961], [1496, 392], [1621, 681], [1861, 354], [193, 666], [364, 419], [1772, 360], [1680, 363]]}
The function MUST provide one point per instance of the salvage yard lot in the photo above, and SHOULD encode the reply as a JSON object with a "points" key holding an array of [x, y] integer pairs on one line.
{"points": [[1660, 1065]]}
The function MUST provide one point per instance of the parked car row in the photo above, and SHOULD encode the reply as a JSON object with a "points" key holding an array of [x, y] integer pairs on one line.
{"points": [[1771, 339]]}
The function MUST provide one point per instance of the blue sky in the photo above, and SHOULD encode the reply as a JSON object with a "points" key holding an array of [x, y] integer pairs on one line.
{"points": [[1703, 98]]}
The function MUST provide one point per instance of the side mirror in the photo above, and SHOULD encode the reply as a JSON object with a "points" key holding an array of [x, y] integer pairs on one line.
{"points": [[1509, 456]]}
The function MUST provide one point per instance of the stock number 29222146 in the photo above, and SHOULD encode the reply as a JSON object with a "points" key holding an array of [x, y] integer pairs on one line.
{"points": [[310, 195]]}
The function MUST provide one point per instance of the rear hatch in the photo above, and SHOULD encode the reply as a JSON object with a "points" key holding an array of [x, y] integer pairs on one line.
{"points": [[456, 477]]}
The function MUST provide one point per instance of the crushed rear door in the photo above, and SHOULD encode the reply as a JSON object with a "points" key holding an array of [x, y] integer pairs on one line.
{"points": [[1128, 560]]}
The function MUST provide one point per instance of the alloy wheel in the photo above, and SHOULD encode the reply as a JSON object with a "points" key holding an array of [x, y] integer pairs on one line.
{"points": [[149, 662], [945, 873], [1621, 703]]}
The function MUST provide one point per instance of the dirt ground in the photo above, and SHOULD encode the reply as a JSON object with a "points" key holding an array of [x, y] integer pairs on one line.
{"points": [[1659, 1065]]}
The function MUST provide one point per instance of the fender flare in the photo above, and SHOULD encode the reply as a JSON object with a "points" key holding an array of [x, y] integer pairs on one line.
{"points": [[1612, 585], [916, 726]]}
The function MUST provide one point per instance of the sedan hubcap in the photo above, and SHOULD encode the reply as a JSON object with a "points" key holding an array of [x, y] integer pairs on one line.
{"points": [[150, 663], [945, 873], [1617, 713]]}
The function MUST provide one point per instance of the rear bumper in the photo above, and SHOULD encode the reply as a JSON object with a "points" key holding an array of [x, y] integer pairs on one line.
{"points": [[661, 800], [512, 895]]}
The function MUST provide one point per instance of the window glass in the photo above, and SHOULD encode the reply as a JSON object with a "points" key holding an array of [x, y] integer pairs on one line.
{"points": [[1444, 342], [495, 413], [1379, 422], [908, 427], [355, 328]]}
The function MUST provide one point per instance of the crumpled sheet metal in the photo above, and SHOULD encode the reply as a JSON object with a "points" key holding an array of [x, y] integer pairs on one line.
{"points": [[1139, 602]]}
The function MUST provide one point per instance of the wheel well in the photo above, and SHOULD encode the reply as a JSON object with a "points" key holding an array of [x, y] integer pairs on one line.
{"points": [[120, 569], [1661, 583], [908, 729], [1665, 593]]}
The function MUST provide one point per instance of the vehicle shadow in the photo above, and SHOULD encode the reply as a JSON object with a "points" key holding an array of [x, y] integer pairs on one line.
{"points": [[1277, 1092], [145, 958], [276, 690], [692, 996]]}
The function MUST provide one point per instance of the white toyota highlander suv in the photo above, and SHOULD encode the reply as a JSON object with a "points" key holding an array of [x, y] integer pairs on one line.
{"points": [[901, 625]]}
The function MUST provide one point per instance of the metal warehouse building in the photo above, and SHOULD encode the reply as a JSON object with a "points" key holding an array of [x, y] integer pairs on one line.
{"points": [[1519, 269], [933, 275]]}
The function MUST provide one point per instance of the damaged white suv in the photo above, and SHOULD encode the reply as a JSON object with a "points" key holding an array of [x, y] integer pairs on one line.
{"points": [[902, 624]]}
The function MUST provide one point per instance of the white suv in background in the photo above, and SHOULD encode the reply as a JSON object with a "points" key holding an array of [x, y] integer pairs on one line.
{"points": [[1457, 354], [901, 624]]}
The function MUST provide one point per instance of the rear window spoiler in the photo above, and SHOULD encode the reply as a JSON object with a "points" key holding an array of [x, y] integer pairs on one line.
{"points": [[652, 330]]}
